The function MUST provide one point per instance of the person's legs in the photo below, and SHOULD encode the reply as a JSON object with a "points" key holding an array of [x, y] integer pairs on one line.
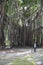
{"points": [[34, 49]]}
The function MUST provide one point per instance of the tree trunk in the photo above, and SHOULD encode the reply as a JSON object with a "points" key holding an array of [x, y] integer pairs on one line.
{"points": [[42, 22], [2, 44]]}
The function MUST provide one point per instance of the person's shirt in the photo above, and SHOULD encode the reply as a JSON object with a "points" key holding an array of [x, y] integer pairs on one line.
{"points": [[34, 45]]}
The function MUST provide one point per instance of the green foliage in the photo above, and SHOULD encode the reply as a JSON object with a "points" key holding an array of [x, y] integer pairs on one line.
{"points": [[6, 36], [30, 4]]}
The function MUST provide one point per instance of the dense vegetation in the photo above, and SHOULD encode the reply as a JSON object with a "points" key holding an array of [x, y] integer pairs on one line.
{"points": [[20, 23]]}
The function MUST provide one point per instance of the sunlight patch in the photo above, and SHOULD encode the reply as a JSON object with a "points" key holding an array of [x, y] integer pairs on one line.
{"points": [[39, 63]]}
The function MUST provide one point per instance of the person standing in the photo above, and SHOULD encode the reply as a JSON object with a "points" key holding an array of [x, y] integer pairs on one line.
{"points": [[35, 47]]}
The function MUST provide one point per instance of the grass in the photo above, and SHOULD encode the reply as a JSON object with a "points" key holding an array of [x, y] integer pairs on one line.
{"points": [[21, 62], [24, 61]]}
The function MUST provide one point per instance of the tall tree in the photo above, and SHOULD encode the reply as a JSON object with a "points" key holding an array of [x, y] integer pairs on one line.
{"points": [[2, 5]]}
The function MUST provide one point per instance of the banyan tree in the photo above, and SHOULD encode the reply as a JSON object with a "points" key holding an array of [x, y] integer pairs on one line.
{"points": [[23, 23]]}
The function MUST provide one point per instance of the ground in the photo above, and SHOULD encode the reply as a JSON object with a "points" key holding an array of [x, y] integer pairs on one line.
{"points": [[9, 57]]}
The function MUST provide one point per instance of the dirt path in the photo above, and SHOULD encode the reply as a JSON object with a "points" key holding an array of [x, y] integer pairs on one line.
{"points": [[6, 57]]}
